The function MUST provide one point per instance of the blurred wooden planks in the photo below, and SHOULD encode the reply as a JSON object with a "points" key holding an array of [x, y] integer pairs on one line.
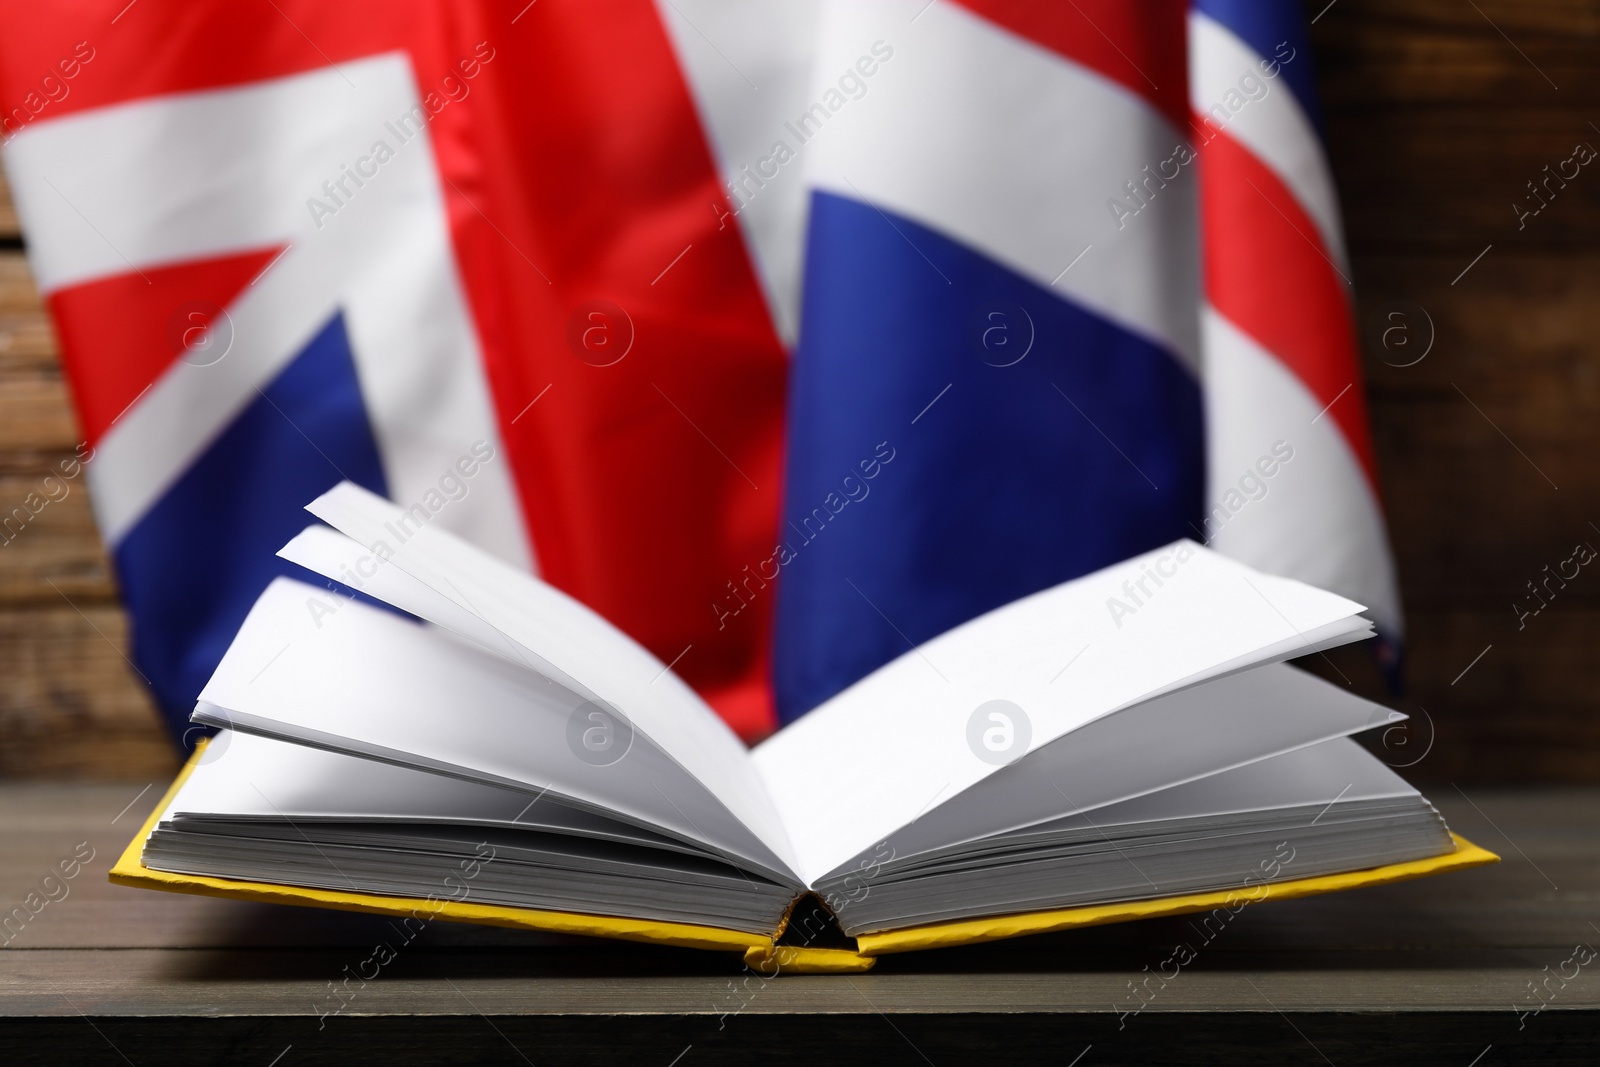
{"points": [[70, 702], [9, 230], [1438, 114]]}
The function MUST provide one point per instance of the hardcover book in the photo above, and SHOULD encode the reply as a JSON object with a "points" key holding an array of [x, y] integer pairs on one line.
{"points": [[463, 741]]}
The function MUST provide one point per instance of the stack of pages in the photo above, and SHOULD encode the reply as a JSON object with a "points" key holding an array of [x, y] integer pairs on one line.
{"points": [[1129, 736]]}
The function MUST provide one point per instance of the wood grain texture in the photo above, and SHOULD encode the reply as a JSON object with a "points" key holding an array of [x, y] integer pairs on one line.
{"points": [[1437, 116], [70, 701], [1438, 112], [9, 228], [1426, 971]]}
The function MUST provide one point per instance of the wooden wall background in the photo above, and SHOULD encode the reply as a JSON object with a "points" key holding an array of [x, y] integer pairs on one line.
{"points": [[1438, 113], [1437, 119], [69, 701]]}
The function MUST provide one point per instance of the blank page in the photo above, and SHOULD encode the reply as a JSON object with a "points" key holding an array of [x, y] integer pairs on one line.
{"points": [[1187, 736], [245, 777], [879, 754], [1338, 769], [370, 683], [600, 659]]}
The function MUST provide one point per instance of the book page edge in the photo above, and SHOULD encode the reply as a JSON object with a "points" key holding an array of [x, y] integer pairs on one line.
{"points": [[995, 928], [129, 870]]}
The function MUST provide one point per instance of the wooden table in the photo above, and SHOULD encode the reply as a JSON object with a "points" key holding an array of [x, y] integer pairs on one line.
{"points": [[1425, 972]]}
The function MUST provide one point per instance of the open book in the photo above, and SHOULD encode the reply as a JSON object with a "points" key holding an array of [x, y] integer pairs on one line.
{"points": [[1128, 743]]}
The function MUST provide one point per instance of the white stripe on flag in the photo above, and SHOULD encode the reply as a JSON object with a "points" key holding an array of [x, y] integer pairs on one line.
{"points": [[203, 174], [1315, 517], [749, 69], [999, 143]]}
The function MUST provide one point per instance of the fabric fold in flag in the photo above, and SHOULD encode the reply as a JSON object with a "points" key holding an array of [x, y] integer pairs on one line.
{"points": [[1292, 481]]}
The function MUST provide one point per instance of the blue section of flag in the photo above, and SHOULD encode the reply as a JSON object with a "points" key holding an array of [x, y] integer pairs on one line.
{"points": [[194, 565], [1271, 28], [988, 481]]}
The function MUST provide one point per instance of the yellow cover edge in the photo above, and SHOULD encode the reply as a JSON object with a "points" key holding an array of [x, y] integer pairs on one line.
{"points": [[972, 931], [771, 960], [130, 870]]}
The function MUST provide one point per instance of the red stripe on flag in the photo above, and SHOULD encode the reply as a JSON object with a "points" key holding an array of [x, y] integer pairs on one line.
{"points": [[119, 334], [1143, 47], [1267, 272], [650, 483], [71, 56]]}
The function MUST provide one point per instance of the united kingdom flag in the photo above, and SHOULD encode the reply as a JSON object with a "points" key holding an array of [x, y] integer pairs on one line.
{"points": [[785, 335]]}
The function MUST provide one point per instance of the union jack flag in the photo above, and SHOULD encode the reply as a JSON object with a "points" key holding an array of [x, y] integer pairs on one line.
{"points": [[786, 335]]}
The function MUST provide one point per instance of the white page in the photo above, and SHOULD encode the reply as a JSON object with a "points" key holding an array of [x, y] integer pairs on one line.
{"points": [[874, 757], [367, 682], [331, 554], [547, 623], [1321, 785], [1193, 735], [1336, 769], [249, 777]]}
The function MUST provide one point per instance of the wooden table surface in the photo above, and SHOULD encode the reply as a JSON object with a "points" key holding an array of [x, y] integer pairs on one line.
{"points": [[1425, 972]]}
